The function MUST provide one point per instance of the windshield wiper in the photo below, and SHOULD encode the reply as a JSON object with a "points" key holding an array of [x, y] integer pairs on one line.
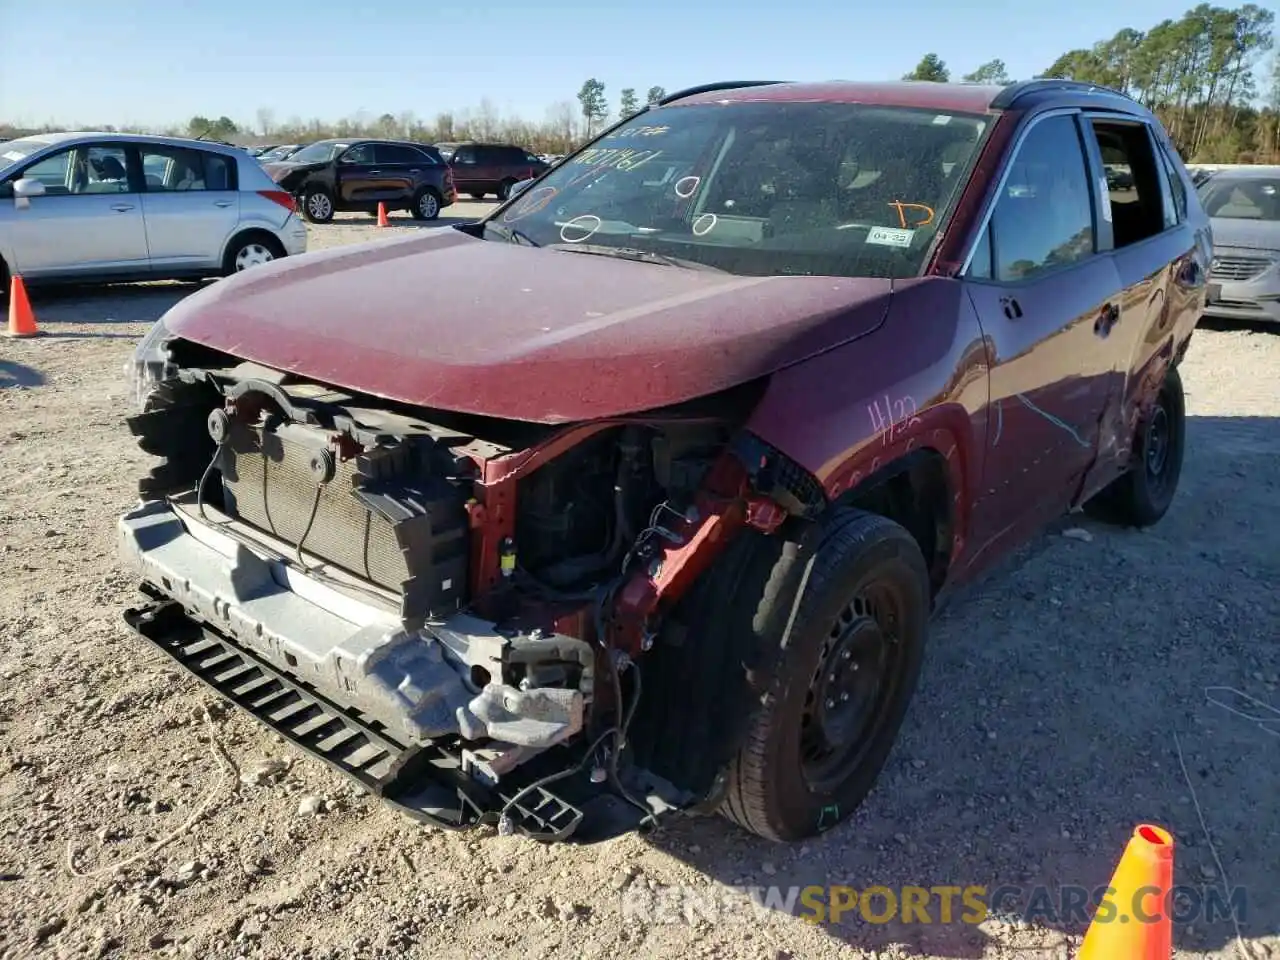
{"points": [[510, 234], [632, 253]]}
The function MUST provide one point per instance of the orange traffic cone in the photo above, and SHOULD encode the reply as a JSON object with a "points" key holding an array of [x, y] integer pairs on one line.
{"points": [[1134, 922], [22, 320], [382, 215]]}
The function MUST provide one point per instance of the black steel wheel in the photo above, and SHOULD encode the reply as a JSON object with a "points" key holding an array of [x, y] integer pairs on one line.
{"points": [[852, 689], [1143, 495], [842, 685]]}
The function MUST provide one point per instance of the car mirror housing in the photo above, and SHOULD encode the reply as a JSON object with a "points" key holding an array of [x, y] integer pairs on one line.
{"points": [[28, 187]]}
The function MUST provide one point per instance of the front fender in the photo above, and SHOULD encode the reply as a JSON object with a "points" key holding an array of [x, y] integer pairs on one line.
{"points": [[918, 382]]}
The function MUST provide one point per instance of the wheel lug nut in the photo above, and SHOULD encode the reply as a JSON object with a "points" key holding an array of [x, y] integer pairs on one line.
{"points": [[830, 703], [844, 697], [847, 655]]}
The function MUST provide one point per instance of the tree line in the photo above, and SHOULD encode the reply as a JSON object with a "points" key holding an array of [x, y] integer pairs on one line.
{"points": [[1197, 73]]}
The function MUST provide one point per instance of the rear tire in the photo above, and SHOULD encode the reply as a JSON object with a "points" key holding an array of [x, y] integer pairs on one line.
{"points": [[317, 205], [476, 196], [504, 190], [842, 685], [1142, 496], [426, 204], [249, 250]]}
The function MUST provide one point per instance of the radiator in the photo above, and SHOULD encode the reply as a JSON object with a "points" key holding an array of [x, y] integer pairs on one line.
{"points": [[382, 516]]}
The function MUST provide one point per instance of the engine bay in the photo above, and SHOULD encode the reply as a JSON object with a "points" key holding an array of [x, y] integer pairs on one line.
{"points": [[473, 588]]}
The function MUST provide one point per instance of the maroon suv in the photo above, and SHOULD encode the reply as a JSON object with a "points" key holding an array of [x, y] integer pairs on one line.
{"points": [[646, 485], [484, 168]]}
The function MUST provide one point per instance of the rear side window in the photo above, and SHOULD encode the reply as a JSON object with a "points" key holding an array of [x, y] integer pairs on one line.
{"points": [[395, 153], [1043, 218], [173, 169], [464, 155], [1133, 181]]}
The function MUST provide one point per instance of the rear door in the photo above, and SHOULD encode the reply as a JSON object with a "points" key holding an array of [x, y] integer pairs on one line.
{"points": [[190, 206], [399, 169], [1043, 287], [89, 222], [1155, 254], [518, 164]]}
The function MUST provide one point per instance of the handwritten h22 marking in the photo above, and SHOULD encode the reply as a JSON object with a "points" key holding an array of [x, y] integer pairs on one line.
{"points": [[890, 418]]}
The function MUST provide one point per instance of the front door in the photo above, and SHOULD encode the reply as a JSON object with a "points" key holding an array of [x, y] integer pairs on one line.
{"points": [[1044, 296], [470, 173], [358, 177], [89, 221]]}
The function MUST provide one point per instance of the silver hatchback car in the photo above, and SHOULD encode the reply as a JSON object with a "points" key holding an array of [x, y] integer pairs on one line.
{"points": [[1243, 204], [125, 207]]}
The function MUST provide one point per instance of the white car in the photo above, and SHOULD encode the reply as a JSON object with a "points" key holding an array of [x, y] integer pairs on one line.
{"points": [[123, 207]]}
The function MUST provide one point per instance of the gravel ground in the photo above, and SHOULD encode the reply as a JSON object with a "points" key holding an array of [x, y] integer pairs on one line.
{"points": [[1099, 679]]}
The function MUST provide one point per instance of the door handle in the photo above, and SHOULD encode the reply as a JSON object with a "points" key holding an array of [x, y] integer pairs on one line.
{"points": [[374, 172], [415, 170], [1107, 318], [223, 203], [122, 207], [1012, 309]]}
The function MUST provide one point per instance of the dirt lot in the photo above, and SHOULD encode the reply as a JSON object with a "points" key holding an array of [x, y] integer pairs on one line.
{"points": [[1099, 680]]}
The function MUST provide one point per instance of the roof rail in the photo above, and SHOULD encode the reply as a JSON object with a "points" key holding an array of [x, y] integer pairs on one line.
{"points": [[1014, 91], [713, 87]]}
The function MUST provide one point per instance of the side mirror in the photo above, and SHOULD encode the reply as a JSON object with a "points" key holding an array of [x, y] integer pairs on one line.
{"points": [[519, 188], [28, 187]]}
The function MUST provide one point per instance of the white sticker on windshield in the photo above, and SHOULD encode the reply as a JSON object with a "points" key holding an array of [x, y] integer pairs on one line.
{"points": [[941, 120], [890, 236], [1106, 198], [13, 155]]}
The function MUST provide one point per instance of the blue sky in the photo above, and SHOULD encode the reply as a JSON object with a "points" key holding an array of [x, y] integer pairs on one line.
{"points": [[151, 63]]}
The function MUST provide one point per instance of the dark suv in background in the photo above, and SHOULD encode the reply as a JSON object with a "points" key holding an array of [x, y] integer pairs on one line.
{"points": [[483, 168], [333, 175]]}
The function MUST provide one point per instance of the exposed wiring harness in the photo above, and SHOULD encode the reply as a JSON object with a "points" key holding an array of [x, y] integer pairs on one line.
{"points": [[618, 662], [204, 479]]}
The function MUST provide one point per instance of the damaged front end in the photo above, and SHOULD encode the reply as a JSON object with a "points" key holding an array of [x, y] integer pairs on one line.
{"points": [[446, 608]]}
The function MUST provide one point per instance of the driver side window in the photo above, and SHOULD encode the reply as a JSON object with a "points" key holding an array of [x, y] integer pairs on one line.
{"points": [[1043, 218], [80, 170], [361, 153]]}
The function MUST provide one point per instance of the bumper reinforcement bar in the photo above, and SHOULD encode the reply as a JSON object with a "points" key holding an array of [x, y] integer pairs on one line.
{"points": [[426, 783]]}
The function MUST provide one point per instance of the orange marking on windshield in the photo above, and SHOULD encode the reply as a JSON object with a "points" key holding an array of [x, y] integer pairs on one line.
{"points": [[902, 207]]}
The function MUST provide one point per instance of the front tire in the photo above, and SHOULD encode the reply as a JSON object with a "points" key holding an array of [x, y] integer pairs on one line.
{"points": [[842, 685], [1142, 496], [317, 205]]}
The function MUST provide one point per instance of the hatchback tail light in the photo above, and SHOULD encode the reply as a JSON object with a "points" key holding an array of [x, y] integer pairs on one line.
{"points": [[282, 197]]}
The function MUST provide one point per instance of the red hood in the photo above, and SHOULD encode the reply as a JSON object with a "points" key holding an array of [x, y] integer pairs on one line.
{"points": [[444, 320]]}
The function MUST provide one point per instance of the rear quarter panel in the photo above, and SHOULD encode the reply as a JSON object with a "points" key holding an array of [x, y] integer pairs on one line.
{"points": [[919, 381]]}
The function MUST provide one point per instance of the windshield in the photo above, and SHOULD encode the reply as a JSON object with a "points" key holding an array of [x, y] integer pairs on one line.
{"points": [[318, 152], [15, 150], [276, 153], [757, 189], [1241, 198]]}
